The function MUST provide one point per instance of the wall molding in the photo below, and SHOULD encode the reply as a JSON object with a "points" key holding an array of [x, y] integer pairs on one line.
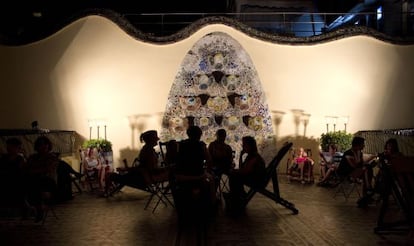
{"points": [[130, 29]]}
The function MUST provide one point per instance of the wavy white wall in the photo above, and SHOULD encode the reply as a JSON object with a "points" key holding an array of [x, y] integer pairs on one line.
{"points": [[93, 69]]}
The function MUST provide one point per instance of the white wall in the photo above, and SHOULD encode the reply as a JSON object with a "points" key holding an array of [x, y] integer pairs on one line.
{"points": [[93, 69]]}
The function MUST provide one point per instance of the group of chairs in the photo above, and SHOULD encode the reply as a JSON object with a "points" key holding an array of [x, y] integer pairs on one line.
{"points": [[398, 183], [161, 192], [302, 172]]}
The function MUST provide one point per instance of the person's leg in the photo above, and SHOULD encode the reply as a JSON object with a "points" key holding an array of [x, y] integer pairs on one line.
{"points": [[323, 171], [367, 182], [326, 177], [235, 185], [301, 169], [234, 202]]}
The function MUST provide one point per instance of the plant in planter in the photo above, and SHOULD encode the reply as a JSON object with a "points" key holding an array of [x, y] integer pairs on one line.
{"points": [[340, 138], [101, 144]]}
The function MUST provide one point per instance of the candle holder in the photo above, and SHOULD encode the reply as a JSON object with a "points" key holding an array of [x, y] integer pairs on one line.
{"points": [[330, 120], [345, 119], [91, 123], [334, 120]]}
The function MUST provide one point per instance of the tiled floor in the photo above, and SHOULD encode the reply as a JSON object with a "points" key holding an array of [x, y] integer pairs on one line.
{"points": [[90, 219]]}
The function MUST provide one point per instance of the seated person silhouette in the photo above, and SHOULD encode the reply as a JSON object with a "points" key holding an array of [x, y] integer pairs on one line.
{"points": [[193, 189], [301, 163], [171, 154], [329, 163], [64, 181], [251, 171], [354, 166], [93, 165], [41, 176], [147, 171], [11, 175], [384, 179], [221, 156]]}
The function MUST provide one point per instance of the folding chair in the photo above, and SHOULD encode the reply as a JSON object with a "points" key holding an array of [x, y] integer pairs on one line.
{"points": [[271, 174], [168, 151], [163, 151], [222, 186], [348, 185], [159, 190], [76, 182], [49, 208]]}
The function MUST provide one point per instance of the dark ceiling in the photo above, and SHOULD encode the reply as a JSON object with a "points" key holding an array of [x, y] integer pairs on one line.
{"points": [[31, 20]]}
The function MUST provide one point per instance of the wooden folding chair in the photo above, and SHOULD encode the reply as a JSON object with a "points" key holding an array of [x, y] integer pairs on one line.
{"points": [[271, 174]]}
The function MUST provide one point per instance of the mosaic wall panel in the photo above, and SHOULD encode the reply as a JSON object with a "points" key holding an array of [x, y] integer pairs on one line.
{"points": [[216, 87]]}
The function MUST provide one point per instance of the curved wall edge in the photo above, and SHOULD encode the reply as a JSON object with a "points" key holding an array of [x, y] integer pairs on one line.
{"points": [[186, 32]]}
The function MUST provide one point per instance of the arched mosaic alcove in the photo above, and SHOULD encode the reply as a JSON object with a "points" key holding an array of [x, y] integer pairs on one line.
{"points": [[217, 86]]}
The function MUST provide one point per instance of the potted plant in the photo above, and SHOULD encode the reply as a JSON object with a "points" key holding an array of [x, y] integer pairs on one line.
{"points": [[102, 145], [340, 138]]}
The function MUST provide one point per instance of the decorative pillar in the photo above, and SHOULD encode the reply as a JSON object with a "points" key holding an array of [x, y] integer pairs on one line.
{"points": [[297, 114], [305, 120], [277, 118]]}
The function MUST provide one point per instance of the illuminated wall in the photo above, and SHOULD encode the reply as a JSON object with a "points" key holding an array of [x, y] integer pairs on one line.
{"points": [[92, 69]]}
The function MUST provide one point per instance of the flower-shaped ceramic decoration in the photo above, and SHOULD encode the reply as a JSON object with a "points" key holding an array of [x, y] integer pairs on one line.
{"points": [[243, 102], [203, 82], [232, 122], [255, 123], [231, 83], [204, 122], [190, 103], [178, 124], [217, 104], [218, 60]]}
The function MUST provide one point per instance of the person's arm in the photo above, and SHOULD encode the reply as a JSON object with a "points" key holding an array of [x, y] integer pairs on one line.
{"points": [[248, 166], [241, 163], [231, 157], [310, 160], [207, 157], [367, 158], [352, 161], [323, 159]]}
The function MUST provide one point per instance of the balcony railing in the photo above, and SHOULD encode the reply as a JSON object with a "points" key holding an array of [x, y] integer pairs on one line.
{"points": [[300, 24]]}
